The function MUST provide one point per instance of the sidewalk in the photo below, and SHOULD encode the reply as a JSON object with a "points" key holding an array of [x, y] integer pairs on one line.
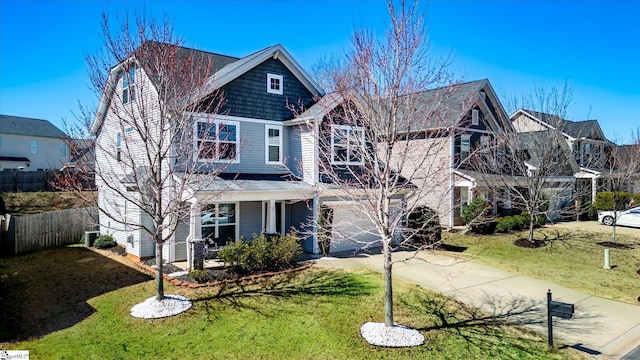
{"points": [[604, 328]]}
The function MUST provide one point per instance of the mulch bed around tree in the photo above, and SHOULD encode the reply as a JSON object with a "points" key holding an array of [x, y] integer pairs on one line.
{"points": [[615, 245], [525, 243]]}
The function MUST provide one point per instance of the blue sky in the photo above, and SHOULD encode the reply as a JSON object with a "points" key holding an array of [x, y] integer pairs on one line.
{"points": [[515, 44]]}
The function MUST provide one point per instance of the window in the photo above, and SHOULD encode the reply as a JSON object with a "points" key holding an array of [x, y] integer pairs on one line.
{"points": [[219, 223], [0, 140], [475, 117], [62, 149], [34, 146], [465, 146], [128, 82], [118, 146], [274, 84], [217, 141], [274, 144], [347, 145]]}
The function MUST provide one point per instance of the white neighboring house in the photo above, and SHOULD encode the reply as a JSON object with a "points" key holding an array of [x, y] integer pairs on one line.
{"points": [[28, 144], [270, 182]]}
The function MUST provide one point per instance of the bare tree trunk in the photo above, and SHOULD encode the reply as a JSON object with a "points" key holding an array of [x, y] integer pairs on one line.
{"points": [[532, 221], [159, 272], [388, 288]]}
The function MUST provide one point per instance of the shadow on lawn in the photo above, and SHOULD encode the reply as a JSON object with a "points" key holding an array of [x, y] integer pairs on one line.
{"points": [[48, 290], [307, 283]]}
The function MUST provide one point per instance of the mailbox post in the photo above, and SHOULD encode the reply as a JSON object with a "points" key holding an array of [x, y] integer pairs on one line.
{"points": [[559, 309]]}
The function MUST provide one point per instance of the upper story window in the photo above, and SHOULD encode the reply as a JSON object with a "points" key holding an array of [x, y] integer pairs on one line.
{"points": [[128, 85], [274, 84], [273, 140], [217, 141], [34, 146], [118, 146], [347, 145], [62, 149], [465, 146]]}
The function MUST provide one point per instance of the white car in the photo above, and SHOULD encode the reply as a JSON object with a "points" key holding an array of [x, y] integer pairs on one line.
{"points": [[629, 217]]}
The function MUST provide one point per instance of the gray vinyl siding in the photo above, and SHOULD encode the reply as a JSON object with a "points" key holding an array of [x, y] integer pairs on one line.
{"points": [[250, 218], [300, 214], [252, 151], [247, 95], [300, 157]]}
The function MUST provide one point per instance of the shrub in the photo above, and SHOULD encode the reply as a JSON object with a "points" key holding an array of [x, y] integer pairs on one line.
{"points": [[520, 222], [475, 215], [424, 224], [608, 200], [262, 253], [505, 224], [201, 276], [104, 241]]}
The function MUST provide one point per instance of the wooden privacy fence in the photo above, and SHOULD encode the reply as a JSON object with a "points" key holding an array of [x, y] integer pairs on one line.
{"points": [[21, 234]]}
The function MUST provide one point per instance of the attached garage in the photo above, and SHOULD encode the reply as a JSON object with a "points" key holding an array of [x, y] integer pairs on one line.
{"points": [[351, 227]]}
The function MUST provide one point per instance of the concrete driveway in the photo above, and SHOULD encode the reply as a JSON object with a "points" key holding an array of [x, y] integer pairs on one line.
{"points": [[603, 328]]}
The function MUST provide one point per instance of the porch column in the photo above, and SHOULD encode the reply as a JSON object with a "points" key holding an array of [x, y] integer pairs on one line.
{"points": [[195, 231], [594, 190], [271, 217]]}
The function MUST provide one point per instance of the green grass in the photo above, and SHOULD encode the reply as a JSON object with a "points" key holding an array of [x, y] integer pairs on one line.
{"points": [[25, 203], [571, 258], [315, 314]]}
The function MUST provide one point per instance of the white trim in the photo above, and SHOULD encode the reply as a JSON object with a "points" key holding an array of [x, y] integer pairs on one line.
{"points": [[475, 117], [280, 79], [209, 117], [361, 144], [215, 122], [267, 145]]}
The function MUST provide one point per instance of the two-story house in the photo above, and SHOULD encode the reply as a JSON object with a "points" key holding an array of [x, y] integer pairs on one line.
{"points": [[464, 117], [28, 144], [590, 148], [270, 179]]}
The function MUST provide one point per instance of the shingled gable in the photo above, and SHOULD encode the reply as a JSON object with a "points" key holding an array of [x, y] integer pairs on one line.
{"points": [[571, 129], [224, 70]]}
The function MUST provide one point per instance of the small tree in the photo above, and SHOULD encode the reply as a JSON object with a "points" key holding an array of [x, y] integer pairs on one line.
{"points": [[532, 170], [384, 137], [150, 90]]}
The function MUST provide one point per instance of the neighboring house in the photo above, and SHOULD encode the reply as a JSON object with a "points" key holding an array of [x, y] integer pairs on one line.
{"points": [[82, 156], [471, 115], [270, 184], [31, 144], [590, 148]]}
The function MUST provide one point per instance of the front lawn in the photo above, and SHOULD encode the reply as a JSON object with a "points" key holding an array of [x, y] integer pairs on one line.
{"points": [[315, 314], [571, 258]]}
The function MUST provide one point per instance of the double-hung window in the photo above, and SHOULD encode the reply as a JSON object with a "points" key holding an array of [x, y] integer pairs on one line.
{"points": [[34, 146], [62, 149], [273, 140], [347, 145], [217, 141], [128, 86], [465, 146]]}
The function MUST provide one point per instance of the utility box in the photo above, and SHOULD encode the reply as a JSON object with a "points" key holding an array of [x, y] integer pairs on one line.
{"points": [[90, 237]]}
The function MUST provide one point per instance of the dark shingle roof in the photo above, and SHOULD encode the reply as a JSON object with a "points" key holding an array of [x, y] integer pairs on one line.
{"points": [[29, 127], [444, 106], [575, 129]]}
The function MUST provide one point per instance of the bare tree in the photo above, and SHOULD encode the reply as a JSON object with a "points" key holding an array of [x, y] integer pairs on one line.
{"points": [[383, 136], [155, 98], [532, 169], [620, 176]]}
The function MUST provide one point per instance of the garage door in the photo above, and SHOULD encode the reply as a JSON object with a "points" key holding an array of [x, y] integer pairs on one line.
{"points": [[349, 224]]}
